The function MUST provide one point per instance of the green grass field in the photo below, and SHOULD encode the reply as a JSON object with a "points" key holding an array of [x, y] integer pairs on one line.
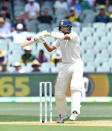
{"points": [[91, 113], [30, 111], [51, 128]]}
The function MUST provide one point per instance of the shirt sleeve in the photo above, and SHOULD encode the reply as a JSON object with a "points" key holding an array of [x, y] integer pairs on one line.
{"points": [[56, 43], [74, 37], [37, 7]]}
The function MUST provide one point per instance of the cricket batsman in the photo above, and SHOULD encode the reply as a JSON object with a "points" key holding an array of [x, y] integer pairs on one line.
{"points": [[72, 67]]}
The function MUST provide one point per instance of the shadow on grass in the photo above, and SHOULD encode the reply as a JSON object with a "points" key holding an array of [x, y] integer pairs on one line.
{"points": [[7, 118]]}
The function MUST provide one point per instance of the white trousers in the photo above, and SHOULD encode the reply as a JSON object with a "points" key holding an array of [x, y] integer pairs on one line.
{"points": [[73, 72]]}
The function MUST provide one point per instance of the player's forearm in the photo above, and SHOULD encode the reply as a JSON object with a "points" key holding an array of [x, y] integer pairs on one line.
{"points": [[48, 47], [60, 36], [57, 35]]}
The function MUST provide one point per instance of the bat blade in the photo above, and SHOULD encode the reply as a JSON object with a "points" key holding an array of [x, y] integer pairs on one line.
{"points": [[27, 43]]}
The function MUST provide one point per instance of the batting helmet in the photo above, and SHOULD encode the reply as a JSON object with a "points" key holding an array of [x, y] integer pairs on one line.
{"points": [[65, 22]]}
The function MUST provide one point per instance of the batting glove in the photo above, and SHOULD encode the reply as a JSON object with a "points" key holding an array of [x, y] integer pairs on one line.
{"points": [[42, 35]]}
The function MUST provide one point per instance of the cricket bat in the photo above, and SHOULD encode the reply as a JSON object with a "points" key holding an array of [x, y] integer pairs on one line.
{"points": [[29, 42], [34, 40]]}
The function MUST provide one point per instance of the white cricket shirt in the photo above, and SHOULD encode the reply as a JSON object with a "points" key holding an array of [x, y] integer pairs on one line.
{"points": [[32, 9], [70, 49]]}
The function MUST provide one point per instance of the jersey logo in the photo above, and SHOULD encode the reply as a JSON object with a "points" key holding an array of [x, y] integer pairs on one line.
{"points": [[62, 22]]}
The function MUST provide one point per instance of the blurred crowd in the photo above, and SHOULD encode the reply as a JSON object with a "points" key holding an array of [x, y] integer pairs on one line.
{"points": [[70, 9], [16, 26], [35, 61]]}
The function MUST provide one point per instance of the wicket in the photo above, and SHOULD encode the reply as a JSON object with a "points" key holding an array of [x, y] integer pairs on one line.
{"points": [[46, 86]]}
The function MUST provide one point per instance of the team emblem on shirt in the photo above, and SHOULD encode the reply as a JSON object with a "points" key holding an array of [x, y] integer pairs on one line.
{"points": [[62, 22]]}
